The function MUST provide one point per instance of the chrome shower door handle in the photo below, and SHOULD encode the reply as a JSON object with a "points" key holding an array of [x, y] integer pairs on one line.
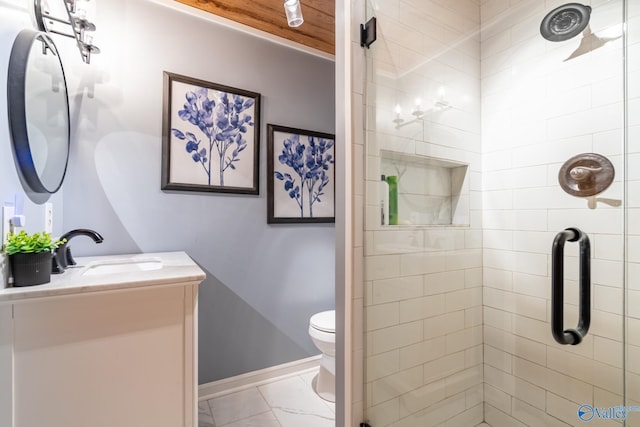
{"points": [[561, 335]]}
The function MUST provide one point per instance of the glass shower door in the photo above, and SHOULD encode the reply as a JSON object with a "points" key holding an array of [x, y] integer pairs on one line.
{"points": [[471, 116], [423, 241]]}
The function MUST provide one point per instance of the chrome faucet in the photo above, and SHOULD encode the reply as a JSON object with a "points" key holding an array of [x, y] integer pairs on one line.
{"points": [[62, 256]]}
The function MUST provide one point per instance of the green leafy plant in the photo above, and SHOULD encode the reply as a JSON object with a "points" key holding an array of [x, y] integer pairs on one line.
{"points": [[23, 242]]}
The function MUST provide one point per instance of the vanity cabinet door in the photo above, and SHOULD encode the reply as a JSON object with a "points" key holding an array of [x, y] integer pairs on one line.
{"points": [[103, 360], [6, 365]]}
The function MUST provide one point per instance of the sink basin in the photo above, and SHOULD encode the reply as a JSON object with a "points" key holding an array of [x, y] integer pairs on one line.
{"points": [[125, 265]]}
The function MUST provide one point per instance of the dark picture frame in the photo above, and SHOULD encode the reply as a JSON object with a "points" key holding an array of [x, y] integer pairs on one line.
{"points": [[300, 176], [210, 137]]}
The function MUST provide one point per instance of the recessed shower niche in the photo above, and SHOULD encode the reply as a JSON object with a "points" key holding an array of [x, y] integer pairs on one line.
{"points": [[430, 191]]}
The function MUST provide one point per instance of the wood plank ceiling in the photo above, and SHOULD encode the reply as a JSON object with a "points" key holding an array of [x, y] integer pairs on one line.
{"points": [[316, 32]]}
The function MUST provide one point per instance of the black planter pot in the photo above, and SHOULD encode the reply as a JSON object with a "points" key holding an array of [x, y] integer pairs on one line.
{"points": [[30, 269]]}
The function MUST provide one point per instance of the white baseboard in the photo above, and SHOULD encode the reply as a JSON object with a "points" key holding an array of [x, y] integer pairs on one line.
{"points": [[251, 379]]}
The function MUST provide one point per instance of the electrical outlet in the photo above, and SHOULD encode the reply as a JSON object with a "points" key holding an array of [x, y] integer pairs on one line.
{"points": [[48, 217], [7, 214]]}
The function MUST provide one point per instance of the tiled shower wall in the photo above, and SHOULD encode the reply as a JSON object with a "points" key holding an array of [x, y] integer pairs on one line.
{"points": [[538, 110], [423, 284]]}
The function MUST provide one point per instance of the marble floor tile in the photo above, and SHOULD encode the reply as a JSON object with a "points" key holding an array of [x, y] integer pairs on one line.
{"points": [[205, 419], [289, 417], [237, 406], [294, 403], [309, 378], [267, 419], [283, 402]]}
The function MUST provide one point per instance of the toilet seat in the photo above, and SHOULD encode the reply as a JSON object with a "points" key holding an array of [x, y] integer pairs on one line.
{"points": [[324, 321]]}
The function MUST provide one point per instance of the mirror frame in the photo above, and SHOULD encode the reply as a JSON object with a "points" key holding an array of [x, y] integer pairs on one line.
{"points": [[16, 103]]}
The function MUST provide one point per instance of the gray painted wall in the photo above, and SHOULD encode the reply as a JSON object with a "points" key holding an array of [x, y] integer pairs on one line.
{"points": [[263, 282]]}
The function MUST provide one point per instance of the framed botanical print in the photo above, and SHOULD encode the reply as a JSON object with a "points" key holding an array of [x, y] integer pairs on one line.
{"points": [[300, 176], [210, 137]]}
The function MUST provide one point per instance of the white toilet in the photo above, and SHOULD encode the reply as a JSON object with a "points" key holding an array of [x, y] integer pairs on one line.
{"points": [[322, 329]]}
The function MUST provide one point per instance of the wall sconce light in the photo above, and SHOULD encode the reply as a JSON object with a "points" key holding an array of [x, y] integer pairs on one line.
{"points": [[77, 22], [398, 120], [294, 13], [440, 104], [418, 110]]}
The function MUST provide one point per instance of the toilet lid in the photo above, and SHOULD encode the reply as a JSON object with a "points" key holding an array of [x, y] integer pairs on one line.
{"points": [[324, 321]]}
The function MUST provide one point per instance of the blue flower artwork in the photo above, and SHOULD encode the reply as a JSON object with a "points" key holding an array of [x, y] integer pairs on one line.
{"points": [[213, 137], [301, 168]]}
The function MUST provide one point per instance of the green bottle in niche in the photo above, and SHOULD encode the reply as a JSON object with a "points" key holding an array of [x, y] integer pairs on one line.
{"points": [[393, 199]]}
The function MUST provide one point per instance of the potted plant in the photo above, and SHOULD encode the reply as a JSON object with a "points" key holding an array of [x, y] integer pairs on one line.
{"points": [[30, 257]]}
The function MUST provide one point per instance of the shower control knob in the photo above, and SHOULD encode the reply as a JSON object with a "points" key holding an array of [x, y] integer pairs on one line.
{"points": [[586, 175]]}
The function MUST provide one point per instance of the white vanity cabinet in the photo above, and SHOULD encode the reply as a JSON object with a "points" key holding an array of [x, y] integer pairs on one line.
{"points": [[117, 348]]}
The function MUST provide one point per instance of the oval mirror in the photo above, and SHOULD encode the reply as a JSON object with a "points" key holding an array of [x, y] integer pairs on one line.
{"points": [[38, 107]]}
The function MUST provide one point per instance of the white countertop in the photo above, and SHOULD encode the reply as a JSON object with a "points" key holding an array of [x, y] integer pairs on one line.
{"points": [[177, 267]]}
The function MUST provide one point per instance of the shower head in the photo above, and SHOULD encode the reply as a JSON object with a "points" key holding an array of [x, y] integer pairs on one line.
{"points": [[565, 22]]}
